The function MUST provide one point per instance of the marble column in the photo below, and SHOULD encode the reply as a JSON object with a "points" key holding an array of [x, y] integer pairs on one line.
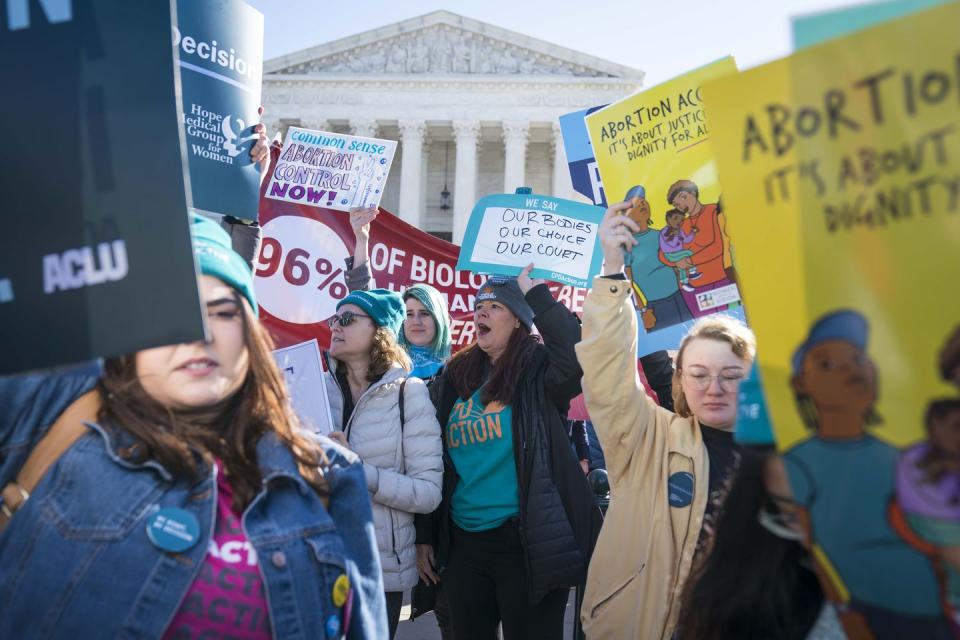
{"points": [[315, 124], [465, 180], [515, 136], [561, 186], [364, 128], [411, 170]]}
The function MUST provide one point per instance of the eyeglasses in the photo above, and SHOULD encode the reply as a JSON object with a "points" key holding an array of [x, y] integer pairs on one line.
{"points": [[727, 381], [345, 319]]}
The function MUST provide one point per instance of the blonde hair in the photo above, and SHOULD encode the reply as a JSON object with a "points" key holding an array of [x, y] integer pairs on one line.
{"points": [[721, 328]]}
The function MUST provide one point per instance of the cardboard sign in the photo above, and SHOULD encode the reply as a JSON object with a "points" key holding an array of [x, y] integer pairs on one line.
{"points": [[301, 367], [653, 149], [331, 170], [95, 257], [846, 157], [508, 232], [584, 174], [220, 44]]}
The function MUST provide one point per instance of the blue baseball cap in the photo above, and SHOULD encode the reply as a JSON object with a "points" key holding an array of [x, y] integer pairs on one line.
{"points": [[844, 325]]}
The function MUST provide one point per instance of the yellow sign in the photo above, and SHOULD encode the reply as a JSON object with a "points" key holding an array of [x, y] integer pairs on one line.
{"points": [[653, 149], [841, 169]]}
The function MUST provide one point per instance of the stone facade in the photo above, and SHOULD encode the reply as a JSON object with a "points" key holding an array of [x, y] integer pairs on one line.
{"points": [[473, 106]]}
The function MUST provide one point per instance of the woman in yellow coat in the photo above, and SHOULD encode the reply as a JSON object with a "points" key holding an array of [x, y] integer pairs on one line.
{"points": [[669, 472]]}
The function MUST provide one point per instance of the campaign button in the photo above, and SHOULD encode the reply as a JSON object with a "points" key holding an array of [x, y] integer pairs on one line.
{"points": [[341, 587], [173, 530], [333, 626], [680, 489]]}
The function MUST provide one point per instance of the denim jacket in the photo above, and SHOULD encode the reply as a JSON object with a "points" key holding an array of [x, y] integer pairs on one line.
{"points": [[76, 562]]}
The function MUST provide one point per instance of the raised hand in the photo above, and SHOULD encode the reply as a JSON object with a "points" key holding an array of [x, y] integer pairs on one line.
{"points": [[616, 236]]}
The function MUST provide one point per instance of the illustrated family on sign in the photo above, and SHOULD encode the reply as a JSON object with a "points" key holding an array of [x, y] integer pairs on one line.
{"points": [[901, 507], [681, 266]]}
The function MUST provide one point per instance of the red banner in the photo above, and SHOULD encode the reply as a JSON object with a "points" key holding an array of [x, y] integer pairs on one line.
{"points": [[299, 274]]}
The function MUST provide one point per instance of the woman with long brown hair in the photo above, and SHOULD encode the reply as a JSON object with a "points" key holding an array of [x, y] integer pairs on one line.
{"points": [[517, 522], [386, 417], [188, 502]]}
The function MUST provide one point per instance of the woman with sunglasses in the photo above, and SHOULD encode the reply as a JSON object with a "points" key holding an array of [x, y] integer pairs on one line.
{"points": [[669, 470], [190, 503], [387, 418]]}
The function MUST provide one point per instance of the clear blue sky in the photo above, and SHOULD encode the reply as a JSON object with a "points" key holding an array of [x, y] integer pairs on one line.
{"points": [[662, 37]]}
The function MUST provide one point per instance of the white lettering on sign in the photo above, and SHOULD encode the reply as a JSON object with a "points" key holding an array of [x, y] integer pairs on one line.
{"points": [[76, 268]]}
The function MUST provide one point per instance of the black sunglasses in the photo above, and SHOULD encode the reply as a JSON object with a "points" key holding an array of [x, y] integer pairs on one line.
{"points": [[345, 319]]}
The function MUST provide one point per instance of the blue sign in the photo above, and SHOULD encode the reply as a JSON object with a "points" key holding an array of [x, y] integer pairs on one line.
{"points": [[220, 43], [584, 174], [95, 258], [507, 232]]}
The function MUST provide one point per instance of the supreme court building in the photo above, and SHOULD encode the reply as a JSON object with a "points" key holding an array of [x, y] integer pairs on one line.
{"points": [[473, 106]]}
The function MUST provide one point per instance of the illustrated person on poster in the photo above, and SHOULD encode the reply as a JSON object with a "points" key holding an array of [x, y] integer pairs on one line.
{"points": [[928, 478], [674, 242], [708, 247], [660, 297], [844, 479]]}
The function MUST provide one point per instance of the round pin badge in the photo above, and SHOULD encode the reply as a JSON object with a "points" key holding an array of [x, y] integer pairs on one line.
{"points": [[333, 626], [680, 489], [173, 530], [341, 586]]}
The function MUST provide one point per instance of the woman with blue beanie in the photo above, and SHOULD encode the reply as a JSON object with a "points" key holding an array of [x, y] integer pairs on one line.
{"points": [[173, 494], [387, 418], [425, 333]]}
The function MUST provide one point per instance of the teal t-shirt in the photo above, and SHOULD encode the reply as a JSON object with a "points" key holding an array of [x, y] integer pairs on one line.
{"points": [[480, 443], [655, 279], [847, 486]]}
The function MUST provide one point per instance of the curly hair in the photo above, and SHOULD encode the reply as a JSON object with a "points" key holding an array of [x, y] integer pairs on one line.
{"points": [[385, 351]]}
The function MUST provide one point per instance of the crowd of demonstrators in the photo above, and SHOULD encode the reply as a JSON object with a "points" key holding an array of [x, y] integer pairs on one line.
{"points": [[387, 418], [190, 503], [668, 470], [517, 522]]}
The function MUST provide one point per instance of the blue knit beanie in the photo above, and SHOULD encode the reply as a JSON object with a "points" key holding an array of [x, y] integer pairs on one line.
{"points": [[214, 254], [506, 291], [384, 307]]}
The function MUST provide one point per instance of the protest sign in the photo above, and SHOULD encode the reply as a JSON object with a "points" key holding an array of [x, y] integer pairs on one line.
{"points": [[845, 155], [823, 25], [584, 175], [653, 148], [220, 45], [299, 273], [331, 170], [507, 232], [95, 257], [301, 367]]}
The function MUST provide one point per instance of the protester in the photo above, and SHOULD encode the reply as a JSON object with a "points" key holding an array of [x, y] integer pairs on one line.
{"points": [[759, 580], [517, 522], [669, 471], [425, 334], [245, 234], [386, 417], [190, 502], [577, 433]]}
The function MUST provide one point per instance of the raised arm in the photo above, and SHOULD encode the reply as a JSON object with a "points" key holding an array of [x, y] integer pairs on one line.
{"points": [[358, 276], [625, 418], [560, 330]]}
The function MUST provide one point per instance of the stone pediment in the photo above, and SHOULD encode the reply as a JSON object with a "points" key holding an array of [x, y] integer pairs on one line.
{"points": [[443, 43]]}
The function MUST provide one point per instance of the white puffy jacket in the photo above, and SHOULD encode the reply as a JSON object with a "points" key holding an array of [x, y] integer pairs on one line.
{"points": [[403, 477]]}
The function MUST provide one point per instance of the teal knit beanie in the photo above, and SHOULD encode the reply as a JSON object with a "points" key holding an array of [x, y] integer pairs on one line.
{"points": [[214, 254], [384, 307]]}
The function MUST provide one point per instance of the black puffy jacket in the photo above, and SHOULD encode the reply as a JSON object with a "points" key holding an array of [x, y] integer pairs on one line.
{"points": [[559, 520]]}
